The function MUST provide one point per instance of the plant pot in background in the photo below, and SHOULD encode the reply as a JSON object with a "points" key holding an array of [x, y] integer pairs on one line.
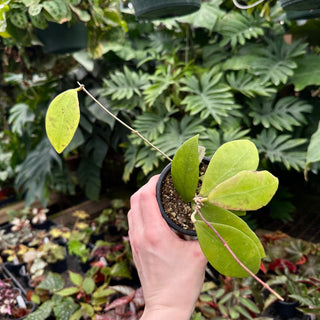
{"points": [[301, 9], [63, 38], [285, 309], [161, 9], [165, 177]]}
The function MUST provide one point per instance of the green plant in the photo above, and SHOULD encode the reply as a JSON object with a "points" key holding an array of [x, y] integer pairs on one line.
{"points": [[20, 19], [230, 182]]}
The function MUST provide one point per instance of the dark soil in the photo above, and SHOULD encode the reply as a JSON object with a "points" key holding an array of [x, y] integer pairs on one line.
{"points": [[176, 209]]}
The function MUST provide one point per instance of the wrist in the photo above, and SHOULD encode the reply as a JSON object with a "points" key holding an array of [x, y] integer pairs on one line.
{"points": [[166, 313]]}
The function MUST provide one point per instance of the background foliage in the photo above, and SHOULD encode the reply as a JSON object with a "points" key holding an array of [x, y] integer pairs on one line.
{"points": [[221, 72]]}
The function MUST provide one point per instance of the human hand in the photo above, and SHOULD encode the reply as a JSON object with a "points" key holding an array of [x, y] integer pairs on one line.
{"points": [[171, 270]]}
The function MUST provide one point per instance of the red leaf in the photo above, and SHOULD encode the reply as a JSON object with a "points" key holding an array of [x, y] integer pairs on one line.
{"points": [[281, 265], [120, 301], [263, 268], [302, 260]]}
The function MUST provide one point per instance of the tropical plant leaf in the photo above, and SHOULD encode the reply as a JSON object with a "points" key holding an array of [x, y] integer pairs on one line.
{"points": [[282, 149], [208, 96], [304, 75], [35, 170], [206, 17], [62, 119], [231, 158], [248, 85], [58, 10], [53, 282], [236, 28], [313, 152], [124, 85], [247, 190], [276, 62], [285, 114], [19, 115], [163, 78], [152, 124], [177, 132], [185, 169]]}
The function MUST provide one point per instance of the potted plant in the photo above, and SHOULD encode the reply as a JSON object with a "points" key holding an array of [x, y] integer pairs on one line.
{"points": [[61, 26], [230, 182], [12, 304], [161, 9]]}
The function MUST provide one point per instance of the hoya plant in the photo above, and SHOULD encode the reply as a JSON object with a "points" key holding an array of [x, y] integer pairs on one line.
{"points": [[230, 186]]}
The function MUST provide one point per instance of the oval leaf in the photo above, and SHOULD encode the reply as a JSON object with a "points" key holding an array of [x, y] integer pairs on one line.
{"points": [[185, 169], [231, 158], [62, 119], [247, 190], [218, 256], [214, 214]]}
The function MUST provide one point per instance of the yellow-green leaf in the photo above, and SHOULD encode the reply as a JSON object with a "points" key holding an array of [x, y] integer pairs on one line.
{"points": [[247, 190], [231, 158], [62, 119], [218, 256]]}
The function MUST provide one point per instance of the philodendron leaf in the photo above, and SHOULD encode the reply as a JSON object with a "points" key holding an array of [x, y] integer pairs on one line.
{"points": [[220, 258], [185, 169], [214, 214], [229, 159], [62, 119], [247, 190]]}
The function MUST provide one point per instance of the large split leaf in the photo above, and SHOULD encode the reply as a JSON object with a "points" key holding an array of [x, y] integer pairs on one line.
{"points": [[231, 158], [219, 257], [214, 214], [185, 169], [62, 119], [247, 190]]}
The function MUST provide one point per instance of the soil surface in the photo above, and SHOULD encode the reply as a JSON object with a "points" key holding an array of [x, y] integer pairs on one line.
{"points": [[176, 209]]}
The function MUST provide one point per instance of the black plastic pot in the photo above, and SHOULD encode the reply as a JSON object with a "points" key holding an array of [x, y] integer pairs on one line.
{"points": [[301, 9], [63, 38], [161, 9], [179, 230], [286, 310]]}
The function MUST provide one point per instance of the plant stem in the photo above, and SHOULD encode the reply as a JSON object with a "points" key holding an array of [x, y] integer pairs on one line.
{"points": [[265, 285], [81, 87]]}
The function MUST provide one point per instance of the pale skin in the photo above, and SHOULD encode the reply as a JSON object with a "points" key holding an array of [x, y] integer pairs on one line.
{"points": [[171, 270]]}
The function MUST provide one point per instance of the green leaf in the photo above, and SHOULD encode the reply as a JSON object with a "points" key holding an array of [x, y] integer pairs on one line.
{"points": [[185, 169], [247, 190], [76, 278], [120, 269], [206, 17], [19, 19], [65, 308], [219, 257], [214, 214], [313, 153], [248, 85], [231, 158], [58, 10], [53, 282], [68, 291], [42, 312], [237, 28], [62, 119], [88, 285], [208, 96], [304, 75], [20, 115], [87, 309], [284, 114], [282, 148]]}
